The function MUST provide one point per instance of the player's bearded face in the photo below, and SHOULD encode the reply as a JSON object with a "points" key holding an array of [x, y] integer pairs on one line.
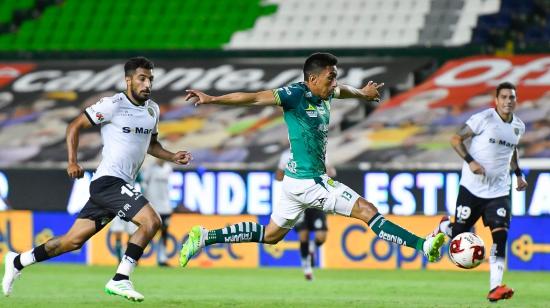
{"points": [[506, 101], [141, 83]]}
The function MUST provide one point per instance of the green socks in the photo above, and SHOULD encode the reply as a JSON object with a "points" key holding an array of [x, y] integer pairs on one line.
{"points": [[391, 232], [238, 233]]}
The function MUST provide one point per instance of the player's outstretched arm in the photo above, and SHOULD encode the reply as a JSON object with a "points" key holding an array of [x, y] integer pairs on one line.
{"points": [[368, 92], [263, 98], [514, 165], [73, 131], [157, 150], [457, 141]]}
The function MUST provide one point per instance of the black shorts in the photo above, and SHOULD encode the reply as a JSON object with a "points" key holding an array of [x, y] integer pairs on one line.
{"points": [[109, 197], [312, 220], [495, 212]]}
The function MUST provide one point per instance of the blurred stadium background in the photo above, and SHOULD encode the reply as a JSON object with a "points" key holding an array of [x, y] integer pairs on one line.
{"points": [[440, 61]]}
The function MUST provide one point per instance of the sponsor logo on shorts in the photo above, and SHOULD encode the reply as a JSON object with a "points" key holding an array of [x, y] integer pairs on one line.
{"points": [[127, 207], [319, 203], [318, 224], [501, 212]]}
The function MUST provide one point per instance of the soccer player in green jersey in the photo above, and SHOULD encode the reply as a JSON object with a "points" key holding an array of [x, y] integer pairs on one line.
{"points": [[306, 107]]}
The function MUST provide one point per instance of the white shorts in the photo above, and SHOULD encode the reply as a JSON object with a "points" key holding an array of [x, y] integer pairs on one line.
{"points": [[119, 225], [324, 194]]}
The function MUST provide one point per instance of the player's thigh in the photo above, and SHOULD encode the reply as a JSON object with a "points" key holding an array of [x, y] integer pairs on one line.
{"points": [[496, 213], [290, 207], [468, 210]]}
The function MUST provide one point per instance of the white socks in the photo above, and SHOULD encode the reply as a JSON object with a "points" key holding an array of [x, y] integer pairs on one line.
{"points": [[306, 264], [497, 265], [126, 266], [27, 258], [445, 227], [161, 253]]}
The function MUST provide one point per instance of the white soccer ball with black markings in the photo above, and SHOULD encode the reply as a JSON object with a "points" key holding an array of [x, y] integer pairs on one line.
{"points": [[467, 250]]}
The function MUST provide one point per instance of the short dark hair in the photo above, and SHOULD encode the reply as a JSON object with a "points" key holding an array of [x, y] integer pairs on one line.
{"points": [[134, 63], [505, 85], [317, 62]]}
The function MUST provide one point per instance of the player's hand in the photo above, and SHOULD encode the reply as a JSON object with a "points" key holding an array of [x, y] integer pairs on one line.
{"points": [[370, 91], [197, 97], [182, 158], [522, 184], [476, 168], [75, 171]]}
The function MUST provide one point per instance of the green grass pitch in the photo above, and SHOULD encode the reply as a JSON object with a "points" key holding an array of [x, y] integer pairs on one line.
{"points": [[82, 286]]}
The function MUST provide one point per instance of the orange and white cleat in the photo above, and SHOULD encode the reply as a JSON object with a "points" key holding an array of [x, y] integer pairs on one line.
{"points": [[500, 292]]}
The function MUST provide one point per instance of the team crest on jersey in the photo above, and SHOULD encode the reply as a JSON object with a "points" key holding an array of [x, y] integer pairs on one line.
{"points": [[516, 130], [311, 111], [99, 116], [151, 112]]}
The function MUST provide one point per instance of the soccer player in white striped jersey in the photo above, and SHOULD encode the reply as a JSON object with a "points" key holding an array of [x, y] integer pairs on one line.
{"points": [[129, 122]]}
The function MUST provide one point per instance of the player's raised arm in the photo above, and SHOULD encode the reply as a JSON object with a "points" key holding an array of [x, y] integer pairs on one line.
{"points": [[457, 142], [262, 98], [73, 131], [157, 150], [368, 92]]}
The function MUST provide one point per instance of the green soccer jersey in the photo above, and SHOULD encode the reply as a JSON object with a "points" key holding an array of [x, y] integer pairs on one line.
{"points": [[307, 117]]}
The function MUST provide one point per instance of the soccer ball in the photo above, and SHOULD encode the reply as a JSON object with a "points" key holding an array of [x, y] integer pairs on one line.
{"points": [[467, 250]]}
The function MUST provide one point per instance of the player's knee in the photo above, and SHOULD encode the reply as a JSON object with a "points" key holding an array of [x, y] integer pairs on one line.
{"points": [[365, 210], [320, 240], [156, 223], [151, 225]]}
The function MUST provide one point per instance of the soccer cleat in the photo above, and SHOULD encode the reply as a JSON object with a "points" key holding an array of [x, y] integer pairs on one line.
{"points": [[194, 243], [10, 273], [123, 288], [500, 292], [442, 226], [432, 246]]}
